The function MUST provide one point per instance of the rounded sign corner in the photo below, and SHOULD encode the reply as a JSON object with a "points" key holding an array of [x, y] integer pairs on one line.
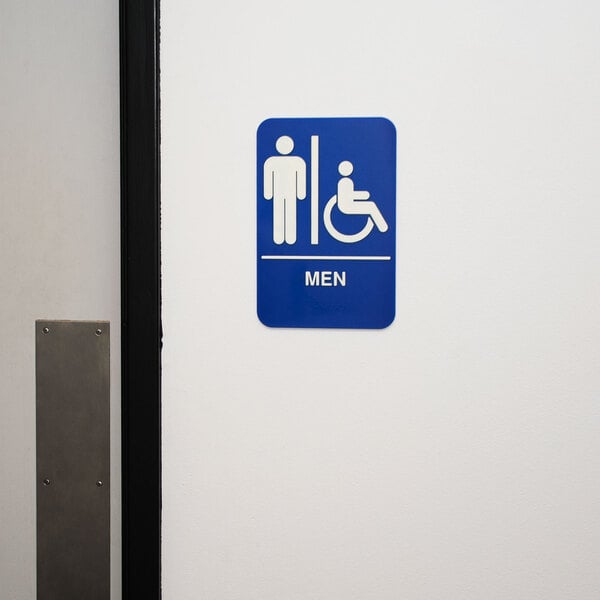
{"points": [[262, 320], [263, 124], [389, 322], [388, 122]]}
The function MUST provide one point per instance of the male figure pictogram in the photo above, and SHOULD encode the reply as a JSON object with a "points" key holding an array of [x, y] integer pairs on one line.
{"points": [[284, 183]]}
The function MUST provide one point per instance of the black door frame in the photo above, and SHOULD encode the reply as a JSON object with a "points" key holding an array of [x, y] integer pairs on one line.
{"points": [[141, 298]]}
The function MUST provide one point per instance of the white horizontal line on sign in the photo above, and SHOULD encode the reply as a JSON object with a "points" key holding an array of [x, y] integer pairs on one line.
{"points": [[308, 257]]}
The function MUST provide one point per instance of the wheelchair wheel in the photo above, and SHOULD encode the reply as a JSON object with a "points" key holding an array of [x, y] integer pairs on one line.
{"points": [[344, 237]]}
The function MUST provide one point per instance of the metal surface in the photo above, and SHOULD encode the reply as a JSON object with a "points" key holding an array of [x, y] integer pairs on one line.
{"points": [[73, 460]]}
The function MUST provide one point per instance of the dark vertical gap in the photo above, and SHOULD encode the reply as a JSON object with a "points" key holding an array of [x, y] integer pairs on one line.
{"points": [[140, 285]]}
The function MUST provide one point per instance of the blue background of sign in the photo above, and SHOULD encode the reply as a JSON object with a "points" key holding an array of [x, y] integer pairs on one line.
{"points": [[368, 299]]}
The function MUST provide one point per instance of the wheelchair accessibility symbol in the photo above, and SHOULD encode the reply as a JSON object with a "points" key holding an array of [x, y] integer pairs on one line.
{"points": [[352, 202], [285, 183]]}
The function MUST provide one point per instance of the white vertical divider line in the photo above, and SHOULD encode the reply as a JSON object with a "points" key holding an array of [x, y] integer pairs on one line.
{"points": [[314, 189]]}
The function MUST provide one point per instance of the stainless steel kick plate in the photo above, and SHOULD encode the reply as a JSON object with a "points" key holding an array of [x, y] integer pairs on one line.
{"points": [[73, 460]]}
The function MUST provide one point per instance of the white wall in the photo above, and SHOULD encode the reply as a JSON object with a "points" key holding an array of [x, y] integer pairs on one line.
{"points": [[59, 232], [454, 455]]}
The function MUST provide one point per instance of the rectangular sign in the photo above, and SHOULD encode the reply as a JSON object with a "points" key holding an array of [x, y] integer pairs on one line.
{"points": [[326, 221]]}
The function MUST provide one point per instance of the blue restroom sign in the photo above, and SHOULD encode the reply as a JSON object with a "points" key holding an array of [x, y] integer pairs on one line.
{"points": [[326, 221]]}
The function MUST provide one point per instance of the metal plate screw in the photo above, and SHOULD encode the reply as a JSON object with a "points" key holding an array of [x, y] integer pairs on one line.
{"points": [[46, 330], [98, 331], [99, 483], [46, 481]]}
